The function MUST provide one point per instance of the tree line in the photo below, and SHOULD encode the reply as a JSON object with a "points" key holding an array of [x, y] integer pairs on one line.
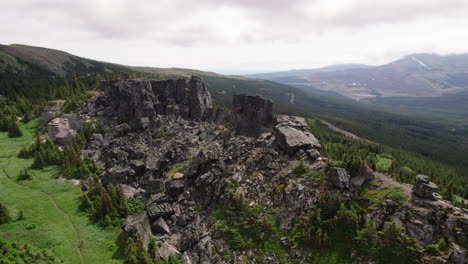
{"points": [[401, 164]]}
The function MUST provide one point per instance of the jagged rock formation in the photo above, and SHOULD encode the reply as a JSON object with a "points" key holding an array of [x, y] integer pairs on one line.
{"points": [[175, 152], [60, 131], [141, 101], [424, 187], [251, 115]]}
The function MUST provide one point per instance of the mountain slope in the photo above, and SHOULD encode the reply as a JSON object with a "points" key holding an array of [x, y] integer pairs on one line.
{"points": [[418, 75]]}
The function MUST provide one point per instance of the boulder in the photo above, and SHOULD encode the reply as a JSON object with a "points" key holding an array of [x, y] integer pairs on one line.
{"points": [[159, 226], [457, 254], [424, 188], [74, 121], [292, 135], [175, 187], [338, 178], [59, 130], [159, 210], [51, 111], [165, 250], [116, 175], [364, 175], [185, 258], [292, 140], [138, 227], [251, 115]]}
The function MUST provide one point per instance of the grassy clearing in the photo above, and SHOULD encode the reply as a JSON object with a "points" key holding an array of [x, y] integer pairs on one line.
{"points": [[378, 196], [45, 226]]}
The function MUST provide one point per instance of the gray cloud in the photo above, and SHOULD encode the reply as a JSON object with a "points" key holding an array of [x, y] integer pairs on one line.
{"points": [[255, 28]]}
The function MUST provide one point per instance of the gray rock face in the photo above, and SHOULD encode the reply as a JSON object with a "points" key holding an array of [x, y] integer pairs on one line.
{"points": [[132, 99], [159, 210], [116, 175], [424, 187], [73, 121], [457, 254], [292, 135], [165, 250], [59, 130], [338, 178], [140, 101], [138, 227], [159, 226], [251, 115]]}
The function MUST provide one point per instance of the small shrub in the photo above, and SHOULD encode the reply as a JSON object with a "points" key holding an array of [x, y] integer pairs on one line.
{"points": [[24, 175], [432, 249], [442, 245], [30, 226], [20, 216]]}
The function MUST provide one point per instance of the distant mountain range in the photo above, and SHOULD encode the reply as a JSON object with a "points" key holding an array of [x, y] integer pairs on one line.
{"points": [[304, 72], [417, 75]]}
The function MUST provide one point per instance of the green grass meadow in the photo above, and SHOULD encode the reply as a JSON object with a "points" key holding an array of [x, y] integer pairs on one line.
{"points": [[44, 226]]}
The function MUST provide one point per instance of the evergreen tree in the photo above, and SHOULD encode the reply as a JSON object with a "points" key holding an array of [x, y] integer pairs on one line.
{"points": [[4, 214], [14, 130], [396, 247]]}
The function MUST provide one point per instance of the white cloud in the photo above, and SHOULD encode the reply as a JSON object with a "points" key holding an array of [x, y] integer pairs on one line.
{"points": [[241, 35]]}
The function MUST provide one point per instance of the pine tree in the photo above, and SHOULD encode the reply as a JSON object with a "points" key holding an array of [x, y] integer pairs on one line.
{"points": [[153, 249], [4, 214], [39, 162], [131, 251], [85, 203], [14, 130]]}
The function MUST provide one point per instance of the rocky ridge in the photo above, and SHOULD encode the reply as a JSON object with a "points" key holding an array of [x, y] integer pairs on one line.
{"points": [[158, 127]]}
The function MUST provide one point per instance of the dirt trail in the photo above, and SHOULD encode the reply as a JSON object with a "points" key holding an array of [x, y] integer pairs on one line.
{"points": [[388, 181], [67, 217]]}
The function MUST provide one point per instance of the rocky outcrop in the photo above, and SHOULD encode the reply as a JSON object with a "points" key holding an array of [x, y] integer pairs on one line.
{"points": [[292, 135], [132, 99], [251, 115], [338, 178], [457, 254], [176, 158], [424, 188], [159, 226], [365, 174], [138, 227], [140, 101], [51, 111], [60, 131]]}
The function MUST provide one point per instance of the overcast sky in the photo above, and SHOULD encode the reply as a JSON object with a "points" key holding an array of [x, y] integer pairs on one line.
{"points": [[238, 36]]}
